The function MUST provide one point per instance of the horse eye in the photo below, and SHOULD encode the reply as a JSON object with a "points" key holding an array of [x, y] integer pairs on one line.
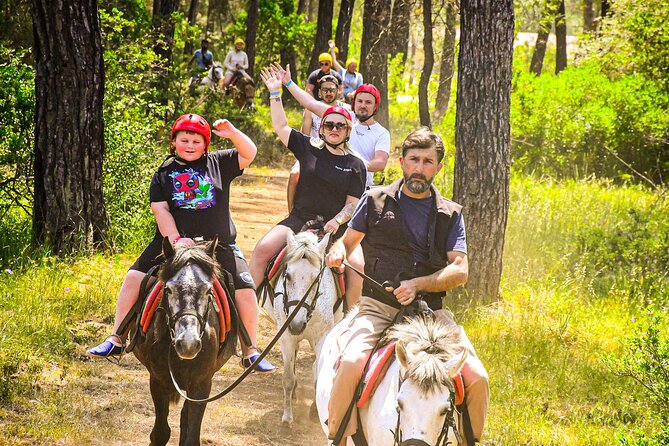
{"points": [[287, 276]]}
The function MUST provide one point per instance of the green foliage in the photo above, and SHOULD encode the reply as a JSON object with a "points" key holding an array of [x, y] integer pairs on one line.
{"points": [[640, 439], [645, 359], [17, 107], [583, 123]]}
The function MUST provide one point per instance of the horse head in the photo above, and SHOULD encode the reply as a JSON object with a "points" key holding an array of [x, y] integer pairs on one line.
{"points": [[304, 265], [188, 292], [429, 359]]}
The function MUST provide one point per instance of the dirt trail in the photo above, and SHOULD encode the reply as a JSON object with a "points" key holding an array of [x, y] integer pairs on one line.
{"points": [[251, 414]]}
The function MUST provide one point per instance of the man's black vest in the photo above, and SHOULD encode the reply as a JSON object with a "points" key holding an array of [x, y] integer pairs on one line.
{"points": [[388, 255]]}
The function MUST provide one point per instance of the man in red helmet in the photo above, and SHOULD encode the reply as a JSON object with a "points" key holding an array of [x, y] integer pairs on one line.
{"points": [[190, 198]]}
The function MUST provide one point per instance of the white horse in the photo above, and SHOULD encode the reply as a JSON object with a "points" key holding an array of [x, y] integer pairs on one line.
{"points": [[414, 403], [212, 80], [302, 264]]}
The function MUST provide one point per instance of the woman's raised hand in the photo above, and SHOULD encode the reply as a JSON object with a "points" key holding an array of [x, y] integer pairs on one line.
{"points": [[224, 128], [271, 78], [284, 75]]}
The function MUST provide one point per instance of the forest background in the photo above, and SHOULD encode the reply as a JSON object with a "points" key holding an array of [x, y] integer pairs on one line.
{"points": [[576, 341]]}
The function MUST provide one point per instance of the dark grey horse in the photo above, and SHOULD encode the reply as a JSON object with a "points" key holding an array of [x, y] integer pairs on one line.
{"points": [[186, 332]]}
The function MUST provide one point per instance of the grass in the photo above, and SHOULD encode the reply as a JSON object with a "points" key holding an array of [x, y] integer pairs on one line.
{"points": [[542, 343]]}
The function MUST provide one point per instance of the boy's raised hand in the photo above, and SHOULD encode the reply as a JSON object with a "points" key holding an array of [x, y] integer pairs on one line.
{"points": [[224, 128]]}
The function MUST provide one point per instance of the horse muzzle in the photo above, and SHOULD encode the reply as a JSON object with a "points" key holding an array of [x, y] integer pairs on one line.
{"points": [[187, 338]]}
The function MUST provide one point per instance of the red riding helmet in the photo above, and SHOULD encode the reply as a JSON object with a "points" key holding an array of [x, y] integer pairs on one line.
{"points": [[193, 123], [371, 89], [337, 110]]}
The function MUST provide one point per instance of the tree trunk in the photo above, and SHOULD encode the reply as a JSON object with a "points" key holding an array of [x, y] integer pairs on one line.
{"points": [[560, 39], [545, 23], [251, 33], [217, 11], [192, 17], [302, 6], [606, 7], [588, 16], [482, 164], [323, 32], [312, 10], [423, 100], [69, 212], [400, 29], [344, 29], [163, 27], [374, 52], [446, 69], [288, 55]]}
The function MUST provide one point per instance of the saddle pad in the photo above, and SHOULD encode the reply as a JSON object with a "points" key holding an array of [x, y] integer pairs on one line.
{"points": [[378, 365], [459, 384], [277, 263], [152, 302]]}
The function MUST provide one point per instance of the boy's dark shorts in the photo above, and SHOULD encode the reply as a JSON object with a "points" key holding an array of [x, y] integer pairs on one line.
{"points": [[230, 258]]}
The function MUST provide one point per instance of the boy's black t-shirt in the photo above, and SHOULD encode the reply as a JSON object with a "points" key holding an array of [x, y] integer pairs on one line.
{"points": [[198, 194], [325, 179]]}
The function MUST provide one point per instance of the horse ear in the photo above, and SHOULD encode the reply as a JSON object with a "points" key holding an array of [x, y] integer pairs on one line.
{"points": [[455, 365], [323, 244], [290, 239], [401, 354], [168, 249], [212, 247]]}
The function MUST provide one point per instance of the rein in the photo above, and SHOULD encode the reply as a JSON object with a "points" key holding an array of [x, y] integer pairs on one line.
{"points": [[251, 368]]}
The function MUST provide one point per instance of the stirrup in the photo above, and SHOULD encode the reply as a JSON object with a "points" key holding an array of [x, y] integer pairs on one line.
{"points": [[109, 349]]}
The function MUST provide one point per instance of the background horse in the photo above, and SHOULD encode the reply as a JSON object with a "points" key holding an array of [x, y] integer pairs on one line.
{"points": [[187, 327], [243, 92], [413, 402], [214, 77], [302, 264]]}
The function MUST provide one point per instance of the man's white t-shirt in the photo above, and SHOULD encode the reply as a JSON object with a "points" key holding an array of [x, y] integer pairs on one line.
{"points": [[366, 140]]}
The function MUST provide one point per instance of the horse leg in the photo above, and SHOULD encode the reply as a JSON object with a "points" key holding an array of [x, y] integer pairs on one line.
{"points": [[192, 413], [160, 433], [289, 352]]}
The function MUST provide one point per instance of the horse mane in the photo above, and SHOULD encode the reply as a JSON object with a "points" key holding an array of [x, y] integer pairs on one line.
{"points": [[183, 255], [306, 247], [429, 343]]}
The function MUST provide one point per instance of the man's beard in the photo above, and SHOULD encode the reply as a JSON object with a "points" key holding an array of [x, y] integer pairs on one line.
{"points": [[417, 187]]}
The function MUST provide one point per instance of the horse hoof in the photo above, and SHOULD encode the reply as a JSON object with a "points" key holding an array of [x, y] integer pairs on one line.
{"points": [[287, 419]]}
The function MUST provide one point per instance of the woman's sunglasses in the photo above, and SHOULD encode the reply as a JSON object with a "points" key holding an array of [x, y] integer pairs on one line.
{"points": [[334, 125]]}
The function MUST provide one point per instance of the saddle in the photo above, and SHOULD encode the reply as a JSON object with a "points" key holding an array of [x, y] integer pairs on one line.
{"points": [[377, 368], [149, 301]]}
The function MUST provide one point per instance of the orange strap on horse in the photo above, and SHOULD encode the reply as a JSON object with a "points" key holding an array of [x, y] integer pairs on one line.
{"points": [[152, 302], [224, 306]]}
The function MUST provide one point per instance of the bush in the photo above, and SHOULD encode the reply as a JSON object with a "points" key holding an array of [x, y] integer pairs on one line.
{"points": [[582, 123]]}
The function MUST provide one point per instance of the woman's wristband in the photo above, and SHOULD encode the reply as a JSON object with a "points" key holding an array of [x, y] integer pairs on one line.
{"points": [[289, 83], [274, 93], [176, 239]]}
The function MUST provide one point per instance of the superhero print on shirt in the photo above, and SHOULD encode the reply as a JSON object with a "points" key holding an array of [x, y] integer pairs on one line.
{"points": [[192, 190]]}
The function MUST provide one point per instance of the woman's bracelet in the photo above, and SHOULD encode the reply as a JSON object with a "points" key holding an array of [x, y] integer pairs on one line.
{"points": [[176, 239], [289, 83], [274, 93]]}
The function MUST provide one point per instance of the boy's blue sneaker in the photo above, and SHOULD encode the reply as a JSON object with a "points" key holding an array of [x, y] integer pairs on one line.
{"points": [[108, 348], [263, 366]]}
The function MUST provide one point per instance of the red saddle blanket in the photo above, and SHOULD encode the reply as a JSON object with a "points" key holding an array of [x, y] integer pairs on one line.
{"points": [[276, 266], [156, 295], [378, 366]]}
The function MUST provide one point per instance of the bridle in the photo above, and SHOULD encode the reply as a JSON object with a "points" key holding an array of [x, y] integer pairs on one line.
{"points": [[287, 304], [173, 319], [442, 439]]}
